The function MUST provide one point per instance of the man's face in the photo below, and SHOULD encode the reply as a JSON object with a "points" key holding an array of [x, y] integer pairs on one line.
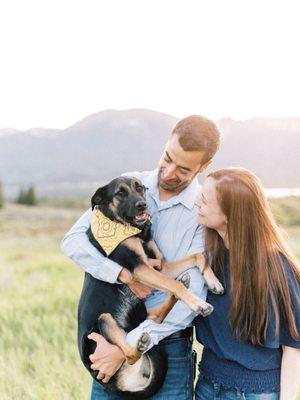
{"points": [[177, 168]]}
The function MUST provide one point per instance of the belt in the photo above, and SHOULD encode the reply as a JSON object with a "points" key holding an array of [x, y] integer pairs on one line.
{"points": [[185, 333]]}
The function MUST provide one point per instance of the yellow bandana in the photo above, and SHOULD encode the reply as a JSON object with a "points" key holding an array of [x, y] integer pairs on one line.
{"points": [[109, 234]]}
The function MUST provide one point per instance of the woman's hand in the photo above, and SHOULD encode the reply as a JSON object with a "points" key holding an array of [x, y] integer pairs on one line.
{"points": [[290, 373], [107, 358]]}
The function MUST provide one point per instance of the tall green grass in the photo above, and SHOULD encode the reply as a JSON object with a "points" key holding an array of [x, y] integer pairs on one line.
{"points": [[39, 360], [40, 289]]}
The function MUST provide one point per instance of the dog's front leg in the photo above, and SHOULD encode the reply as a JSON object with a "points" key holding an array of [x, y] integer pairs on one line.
{"points": [[176, 268], [157, 280], [150, 277], [153, 250], [158, 314]]}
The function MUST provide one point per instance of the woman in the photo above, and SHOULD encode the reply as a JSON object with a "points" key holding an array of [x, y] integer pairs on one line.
{"points": [[252, 339]]}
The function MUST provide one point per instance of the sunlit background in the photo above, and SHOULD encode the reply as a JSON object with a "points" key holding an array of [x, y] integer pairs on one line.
{"points": [[90, 89], [63, 60]]}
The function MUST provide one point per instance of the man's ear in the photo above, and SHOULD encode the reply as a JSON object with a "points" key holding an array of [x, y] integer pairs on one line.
{"points": [[99, 196], [204, 166]]}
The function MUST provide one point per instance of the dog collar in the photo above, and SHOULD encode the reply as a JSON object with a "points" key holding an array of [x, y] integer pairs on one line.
{"points": [[109, 234]]}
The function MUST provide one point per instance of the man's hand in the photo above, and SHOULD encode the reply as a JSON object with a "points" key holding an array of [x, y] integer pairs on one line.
{"points": [[155, 263], [139, 289], [107, 358], [125, 276]]}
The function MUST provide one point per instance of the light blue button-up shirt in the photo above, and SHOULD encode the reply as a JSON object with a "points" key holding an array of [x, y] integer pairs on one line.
{"points": [[177, 234]]}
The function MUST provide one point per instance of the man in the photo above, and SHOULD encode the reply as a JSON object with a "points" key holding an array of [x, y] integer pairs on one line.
{"points": [[171, 191]]}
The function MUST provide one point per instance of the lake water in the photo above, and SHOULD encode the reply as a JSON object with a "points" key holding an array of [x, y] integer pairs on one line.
{"points": [[282, 192]]}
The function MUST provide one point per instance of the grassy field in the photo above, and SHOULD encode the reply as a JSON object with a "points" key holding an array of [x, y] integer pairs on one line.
{"points": [[39, 293], [40, 289]]}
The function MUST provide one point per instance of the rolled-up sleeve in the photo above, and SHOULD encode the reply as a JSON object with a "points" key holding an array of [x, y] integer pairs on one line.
{"points": [[197, 245], [76, 245], [180, 317]]}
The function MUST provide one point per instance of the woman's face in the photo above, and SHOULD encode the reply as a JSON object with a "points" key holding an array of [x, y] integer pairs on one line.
{"points": [[210, 213]]}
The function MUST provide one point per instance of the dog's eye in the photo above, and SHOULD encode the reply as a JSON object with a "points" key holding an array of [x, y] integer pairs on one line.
{"points": [[121, 192], [140, 189]]}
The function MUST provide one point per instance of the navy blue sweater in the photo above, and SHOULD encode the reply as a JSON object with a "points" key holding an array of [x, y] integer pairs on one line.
{"points": [[238, 364]]}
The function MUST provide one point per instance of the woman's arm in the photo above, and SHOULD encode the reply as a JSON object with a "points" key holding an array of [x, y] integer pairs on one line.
{"points": [[290, 373]]}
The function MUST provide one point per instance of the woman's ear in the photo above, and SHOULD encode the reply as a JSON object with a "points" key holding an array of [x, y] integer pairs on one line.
{"points": [[99, 196]]}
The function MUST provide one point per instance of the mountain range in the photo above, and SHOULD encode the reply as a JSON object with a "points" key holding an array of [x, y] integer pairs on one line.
{"points": [[73, 162]]}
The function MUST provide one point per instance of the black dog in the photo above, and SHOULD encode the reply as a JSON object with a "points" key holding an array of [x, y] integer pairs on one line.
{"points": [[114, 310]]}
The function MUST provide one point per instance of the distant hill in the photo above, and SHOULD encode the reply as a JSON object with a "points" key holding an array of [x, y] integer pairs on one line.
{"points": [[75, 161], [270, 147]]}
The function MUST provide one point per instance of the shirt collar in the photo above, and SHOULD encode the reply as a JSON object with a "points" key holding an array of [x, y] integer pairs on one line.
{"points": [[150, 181], [187, 197]]}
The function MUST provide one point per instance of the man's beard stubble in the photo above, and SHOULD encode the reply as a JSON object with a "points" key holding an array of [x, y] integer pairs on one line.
{"points": [[170, 187]]}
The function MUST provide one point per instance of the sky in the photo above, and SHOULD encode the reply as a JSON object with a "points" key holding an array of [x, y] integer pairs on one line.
{"points": [[62, 60]]}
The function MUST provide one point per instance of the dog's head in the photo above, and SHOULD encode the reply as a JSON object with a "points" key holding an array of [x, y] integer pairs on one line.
{"points": [[122, 200]]}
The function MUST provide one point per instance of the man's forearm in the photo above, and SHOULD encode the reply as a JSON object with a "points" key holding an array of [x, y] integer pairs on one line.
{"points": [[76, 245], [179, 317], [290, 373]]}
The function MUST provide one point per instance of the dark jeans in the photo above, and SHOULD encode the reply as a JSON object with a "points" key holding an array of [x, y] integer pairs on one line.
{"points": [[179, 380], [207, 390]]}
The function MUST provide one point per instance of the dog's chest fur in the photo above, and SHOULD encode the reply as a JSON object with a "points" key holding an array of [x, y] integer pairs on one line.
{"points": [[101, 297]]}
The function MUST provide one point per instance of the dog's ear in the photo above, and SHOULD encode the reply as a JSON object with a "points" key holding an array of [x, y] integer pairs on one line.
{"points": [[99, 196]]}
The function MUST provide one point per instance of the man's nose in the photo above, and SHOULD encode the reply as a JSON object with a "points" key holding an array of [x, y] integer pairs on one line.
{"points": [[169, 172]]}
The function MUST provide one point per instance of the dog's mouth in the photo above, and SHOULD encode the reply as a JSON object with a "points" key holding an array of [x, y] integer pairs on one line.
{"points": [[139, 219]]}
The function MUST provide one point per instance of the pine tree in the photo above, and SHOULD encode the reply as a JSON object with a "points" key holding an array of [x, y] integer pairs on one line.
{"points": [[31, 197], [21, 197], [27, 197]]}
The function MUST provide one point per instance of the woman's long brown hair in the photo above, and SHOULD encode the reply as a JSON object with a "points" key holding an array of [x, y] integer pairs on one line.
{"points": [[257, 249]]}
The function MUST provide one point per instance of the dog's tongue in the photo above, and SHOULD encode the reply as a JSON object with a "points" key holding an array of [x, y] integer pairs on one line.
{"points": [[140, 217]]}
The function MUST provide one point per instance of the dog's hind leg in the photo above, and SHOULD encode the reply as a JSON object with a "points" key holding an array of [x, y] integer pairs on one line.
{"points": [[116, 335], [158, 314]]}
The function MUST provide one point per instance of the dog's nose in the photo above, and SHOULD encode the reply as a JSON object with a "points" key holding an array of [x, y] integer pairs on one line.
{"points": [[140, 205]]}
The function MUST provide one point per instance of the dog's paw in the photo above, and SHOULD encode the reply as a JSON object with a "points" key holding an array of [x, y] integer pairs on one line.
{"points": [[213, 283], [186, 279], [207, 310], [217, 289], [202, 308], [143, 342]]}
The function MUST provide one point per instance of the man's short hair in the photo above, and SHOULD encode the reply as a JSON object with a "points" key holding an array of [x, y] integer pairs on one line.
{"points": [[197, 133]]}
